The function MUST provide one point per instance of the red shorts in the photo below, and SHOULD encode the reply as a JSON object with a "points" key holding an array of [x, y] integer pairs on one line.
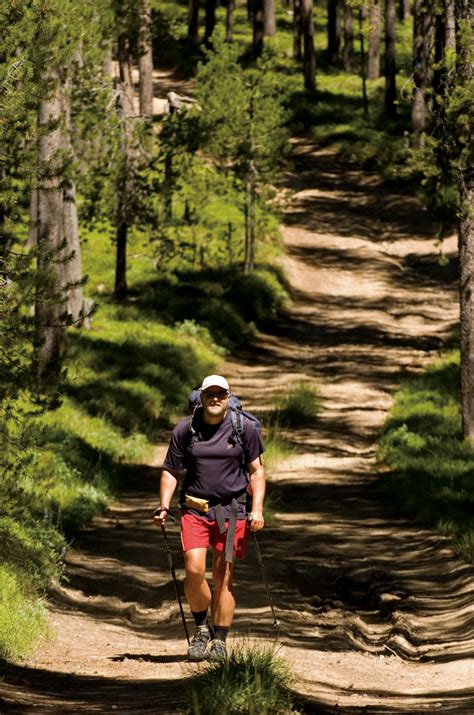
{"points": [[198, 532]]}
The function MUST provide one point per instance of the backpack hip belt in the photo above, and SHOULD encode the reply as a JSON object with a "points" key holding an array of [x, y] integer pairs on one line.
{"points": [[218, 507]]}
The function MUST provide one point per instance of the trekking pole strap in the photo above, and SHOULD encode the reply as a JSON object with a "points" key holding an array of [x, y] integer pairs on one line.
{"points": [[159, 509]]}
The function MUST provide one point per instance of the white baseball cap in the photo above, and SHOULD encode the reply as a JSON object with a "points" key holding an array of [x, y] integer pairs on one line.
{"points": [[215, 381]]}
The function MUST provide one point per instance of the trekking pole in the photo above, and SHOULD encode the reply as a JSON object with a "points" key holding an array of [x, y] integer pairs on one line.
{"points": [[173, 574], [276, 622]]}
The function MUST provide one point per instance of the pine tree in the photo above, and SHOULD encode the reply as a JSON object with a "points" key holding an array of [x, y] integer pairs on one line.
{"points": [[241, 120]]}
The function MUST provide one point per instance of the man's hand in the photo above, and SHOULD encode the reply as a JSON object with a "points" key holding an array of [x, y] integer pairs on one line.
{"points": [[256, 521], [161, 516]]}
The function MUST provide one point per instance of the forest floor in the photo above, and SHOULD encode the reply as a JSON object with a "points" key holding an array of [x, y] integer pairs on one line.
{"points": [[376, 611]]}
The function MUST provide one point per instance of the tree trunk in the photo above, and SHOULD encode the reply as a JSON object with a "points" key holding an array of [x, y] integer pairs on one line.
{"points": [[390, 65], [373, 65], [229, 21], [210, 20], [439, 72], [334, 30], [258, 27], [403, 10], [193, 21], [250, 10], [309, 58], [464, 77], [120, 288], [125, 70], [466, 263], [450, 41], [124, 188], [49, 298], [297, 53], [33, 222], [269, 18], [145, 60], [348, 52], [73, 263], [363, 71], [422, 31]]}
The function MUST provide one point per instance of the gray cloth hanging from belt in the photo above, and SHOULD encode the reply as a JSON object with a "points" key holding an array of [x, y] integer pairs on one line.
{"points": [[220, 518]]}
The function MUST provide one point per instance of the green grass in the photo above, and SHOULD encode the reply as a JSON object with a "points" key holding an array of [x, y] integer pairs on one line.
{"points": [[432, 467], [298, 406], [251, 681], [22, 615]]}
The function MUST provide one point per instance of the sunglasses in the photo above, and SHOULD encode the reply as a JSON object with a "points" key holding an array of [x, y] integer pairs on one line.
{"points": [[219, 394]]}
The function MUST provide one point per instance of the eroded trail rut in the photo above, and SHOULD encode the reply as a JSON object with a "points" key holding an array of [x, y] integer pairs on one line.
{"points": [[376, 613]]}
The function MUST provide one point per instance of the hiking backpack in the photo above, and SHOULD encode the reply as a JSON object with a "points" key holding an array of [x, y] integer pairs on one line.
{"points": [[237, 416]]}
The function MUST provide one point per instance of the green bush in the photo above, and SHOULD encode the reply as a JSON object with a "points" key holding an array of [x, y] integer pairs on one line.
{"points": [[298, 405], [250, 680], [259, 296], [22, 618], [432, 467], [34, 549]]}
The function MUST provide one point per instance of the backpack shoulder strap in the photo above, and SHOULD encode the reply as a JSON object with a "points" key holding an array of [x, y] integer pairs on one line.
{"points": [[237, 417]]}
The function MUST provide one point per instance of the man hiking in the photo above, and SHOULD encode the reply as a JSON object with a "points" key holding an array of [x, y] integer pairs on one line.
{"points": [[223, 470]]}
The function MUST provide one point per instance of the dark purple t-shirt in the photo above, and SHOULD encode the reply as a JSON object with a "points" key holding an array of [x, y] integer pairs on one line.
{"points": [[215, 467]]}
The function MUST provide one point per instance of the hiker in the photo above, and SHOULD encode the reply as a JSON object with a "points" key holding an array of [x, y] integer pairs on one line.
{"points": [[224, 470]]}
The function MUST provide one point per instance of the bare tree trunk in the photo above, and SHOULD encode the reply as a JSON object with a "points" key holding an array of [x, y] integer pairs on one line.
{"points": [[422, 31], [258, 27], [390, 65], [193, 21], [210, 19], [72, 262], [250, 10], [125, 70], [439, 73], [464, 75], [229, 21], [450, 26], [334, 30], [49, 299], [403, 10], [125, 188], [348, 52], [33, 222], [373, 65], [363, 70], [297, 29], [309, 57], [145, 60], [269, 18], [466, 262]]}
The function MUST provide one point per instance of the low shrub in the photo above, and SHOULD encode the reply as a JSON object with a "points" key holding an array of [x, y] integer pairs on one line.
{"points": [[298, 406], [250, 680], [259, 295], [34, 549], [22, 620], [432, 466]]}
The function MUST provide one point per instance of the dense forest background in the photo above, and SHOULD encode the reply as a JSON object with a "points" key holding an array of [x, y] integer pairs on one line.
{"points": [[139, 224]]}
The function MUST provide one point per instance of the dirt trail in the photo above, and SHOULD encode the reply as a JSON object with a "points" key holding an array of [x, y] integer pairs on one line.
{"points": [[376, 613]]}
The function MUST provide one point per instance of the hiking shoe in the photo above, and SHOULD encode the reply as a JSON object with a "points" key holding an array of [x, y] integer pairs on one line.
{"points": [[216, 651], [198, 645]]}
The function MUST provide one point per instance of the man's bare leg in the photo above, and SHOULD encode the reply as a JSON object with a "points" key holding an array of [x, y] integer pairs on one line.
{"points": [[198, 595], [223, 601], [196, 588]]}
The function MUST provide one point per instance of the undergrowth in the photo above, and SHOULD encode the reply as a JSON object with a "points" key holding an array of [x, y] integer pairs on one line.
{"points": [[432, 466], [251, 680]]}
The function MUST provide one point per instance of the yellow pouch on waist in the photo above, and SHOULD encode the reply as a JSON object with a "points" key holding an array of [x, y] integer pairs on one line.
{"points": [[196, 503]]}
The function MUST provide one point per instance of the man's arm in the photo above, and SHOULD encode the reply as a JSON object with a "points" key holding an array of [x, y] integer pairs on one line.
{"points": [[167, 486], [257, 484]]}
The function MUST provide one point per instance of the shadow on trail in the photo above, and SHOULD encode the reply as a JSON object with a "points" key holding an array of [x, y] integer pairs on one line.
{"points": [[27, 690], [361, 204]]}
